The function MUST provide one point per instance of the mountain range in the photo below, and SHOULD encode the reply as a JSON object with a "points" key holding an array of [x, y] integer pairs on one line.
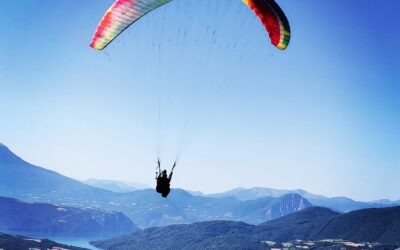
{"points": [[341, 204], [58, 220], [381, 225], [146, 208], [27, 182]]}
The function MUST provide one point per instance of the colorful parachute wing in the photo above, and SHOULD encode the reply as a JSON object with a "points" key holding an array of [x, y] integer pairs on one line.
{"points": [[120, 16], [123, 13], [273, 19]]}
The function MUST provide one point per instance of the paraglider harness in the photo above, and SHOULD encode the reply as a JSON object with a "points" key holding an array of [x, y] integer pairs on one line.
{"points": [[163, 181]]}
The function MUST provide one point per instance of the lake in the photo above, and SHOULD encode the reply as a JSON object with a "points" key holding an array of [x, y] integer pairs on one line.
{"points": [[78, 242]]}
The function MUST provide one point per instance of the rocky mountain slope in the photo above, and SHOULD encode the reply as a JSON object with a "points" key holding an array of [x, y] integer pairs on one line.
{"points": [[58, 220]]}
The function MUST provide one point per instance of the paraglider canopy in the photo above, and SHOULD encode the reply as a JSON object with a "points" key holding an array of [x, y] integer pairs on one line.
{"points": [[123, 13]]}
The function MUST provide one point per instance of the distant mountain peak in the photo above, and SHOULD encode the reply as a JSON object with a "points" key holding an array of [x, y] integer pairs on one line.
{"points": [[290, 203], [7, 156], [116, 186]]}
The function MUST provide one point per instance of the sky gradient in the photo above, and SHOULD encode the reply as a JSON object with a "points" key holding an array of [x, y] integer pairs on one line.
{"points": [[324, 115]]}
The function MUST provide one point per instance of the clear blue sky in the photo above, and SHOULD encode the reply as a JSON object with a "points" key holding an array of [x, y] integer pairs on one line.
{"points": [[324, 115]]}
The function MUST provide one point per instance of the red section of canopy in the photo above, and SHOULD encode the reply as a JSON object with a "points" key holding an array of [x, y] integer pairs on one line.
{"points": [[268, 17]]}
